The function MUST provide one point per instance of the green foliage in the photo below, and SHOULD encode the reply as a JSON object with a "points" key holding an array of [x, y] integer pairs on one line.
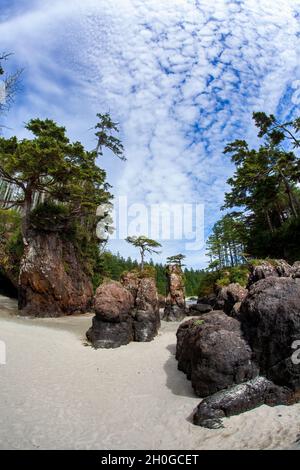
{"points": [[176, 259], [223, 278], [266, 186], [50, 216], [145, 245]]}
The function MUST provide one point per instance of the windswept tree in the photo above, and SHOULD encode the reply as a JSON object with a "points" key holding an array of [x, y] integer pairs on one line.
{"points": [[53, 168], [145, 245], [265, 185], [176, 259]]}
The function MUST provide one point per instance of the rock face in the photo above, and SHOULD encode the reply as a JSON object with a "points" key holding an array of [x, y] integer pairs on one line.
{"points": [[296, 270], [213, 353], [208, 299], [229, 296], [278, 268], [52, 280], [113, 302], [270, 318], [146, 310], [199, 309], [175, 309], [125, 312], [239, 399]]}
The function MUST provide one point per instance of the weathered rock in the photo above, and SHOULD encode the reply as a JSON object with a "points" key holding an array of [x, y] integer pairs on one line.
{"points": [[270, 318], [106, 334], [213, 353], [125, 312], [238, 399], [161, 301], [175, 309], [208, 299], [146, 310], [296, 270], [276, 268], [235, 312], [113, 302], [228, 296], [198, 309], [52, 281], [283, 268]]}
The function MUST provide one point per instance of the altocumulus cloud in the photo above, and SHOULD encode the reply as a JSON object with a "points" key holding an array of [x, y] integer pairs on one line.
{"points": [[182, 77]]}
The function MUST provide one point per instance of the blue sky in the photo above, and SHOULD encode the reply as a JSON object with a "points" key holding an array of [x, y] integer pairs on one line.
{"points": [[182, 78]]}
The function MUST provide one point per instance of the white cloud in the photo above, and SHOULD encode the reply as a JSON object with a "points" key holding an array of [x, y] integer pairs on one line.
{"points": [[160, 68]]}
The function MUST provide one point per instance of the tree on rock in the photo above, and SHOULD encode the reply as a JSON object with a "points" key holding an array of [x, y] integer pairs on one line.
{"points": [[176, 259], [145, 245]]}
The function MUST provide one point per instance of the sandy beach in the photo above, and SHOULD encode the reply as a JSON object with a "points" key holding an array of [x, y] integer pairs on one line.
{"points": [[58, 393]]}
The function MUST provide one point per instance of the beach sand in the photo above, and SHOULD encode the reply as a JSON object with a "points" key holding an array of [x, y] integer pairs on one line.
{"points": [[58, 393]]}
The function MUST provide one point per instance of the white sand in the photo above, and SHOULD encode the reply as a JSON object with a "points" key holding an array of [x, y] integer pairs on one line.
{"points": [[56, 393]]}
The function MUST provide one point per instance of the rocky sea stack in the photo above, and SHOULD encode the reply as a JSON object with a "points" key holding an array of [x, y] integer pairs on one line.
{"points": [[125, 311], [175, 308]]}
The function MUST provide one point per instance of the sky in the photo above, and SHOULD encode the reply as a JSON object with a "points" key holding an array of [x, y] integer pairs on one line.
{"points": [[181, 77]]}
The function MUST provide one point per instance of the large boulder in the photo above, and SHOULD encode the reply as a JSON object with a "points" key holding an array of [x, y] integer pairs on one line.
{"points": [[270, 319], [230, 295], [238, 399], [113, 302], [52, 281], [213, 353], [125, 311], [175, 309], [106, 334]]}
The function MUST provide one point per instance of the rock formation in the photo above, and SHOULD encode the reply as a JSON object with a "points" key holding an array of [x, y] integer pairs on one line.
{"points": [[229, 296], [213, 353], [239, 399], [249, 347], [52, 281], [125, 311], [175, 309], [274, 268], [270, 319], [199, 309]]}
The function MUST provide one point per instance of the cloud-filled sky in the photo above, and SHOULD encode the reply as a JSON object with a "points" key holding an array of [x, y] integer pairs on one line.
{"points": [[182, 78]]}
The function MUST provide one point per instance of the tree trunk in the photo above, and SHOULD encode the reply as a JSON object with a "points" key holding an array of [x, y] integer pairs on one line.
{"points": [[289, 193], [142, 259], [26, 209]]}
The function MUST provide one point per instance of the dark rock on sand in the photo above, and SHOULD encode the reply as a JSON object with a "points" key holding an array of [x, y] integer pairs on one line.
{"points": [[125, 312], [105, 334], [270, 319], [213, 353], [238, 399]]}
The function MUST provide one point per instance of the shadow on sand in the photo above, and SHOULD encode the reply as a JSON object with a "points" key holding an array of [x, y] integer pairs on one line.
{"points": [[176, 380]]}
